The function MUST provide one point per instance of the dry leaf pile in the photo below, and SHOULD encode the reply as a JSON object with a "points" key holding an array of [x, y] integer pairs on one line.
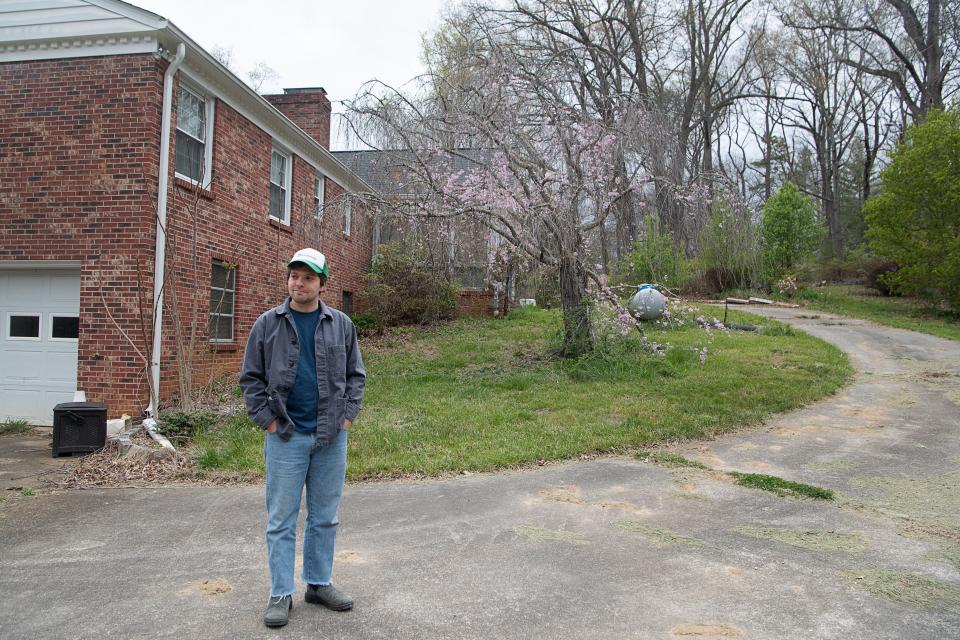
{"points": [[112, 467]]}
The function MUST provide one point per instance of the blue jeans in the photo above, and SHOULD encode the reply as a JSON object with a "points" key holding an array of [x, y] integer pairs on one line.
{"points": [[292, 465]]}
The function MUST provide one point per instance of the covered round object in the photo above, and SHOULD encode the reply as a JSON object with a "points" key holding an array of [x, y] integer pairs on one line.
{"points": [[647, 303]]}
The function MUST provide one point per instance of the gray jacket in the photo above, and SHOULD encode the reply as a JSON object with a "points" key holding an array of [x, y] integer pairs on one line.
{"points": [[270, 367]]}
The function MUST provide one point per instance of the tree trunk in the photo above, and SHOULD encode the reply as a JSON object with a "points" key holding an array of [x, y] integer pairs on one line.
{"points": [[575, 305], [623, 213]]}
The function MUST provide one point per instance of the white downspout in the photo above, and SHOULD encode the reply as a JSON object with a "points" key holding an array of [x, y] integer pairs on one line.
{"points": [[161, 250]]}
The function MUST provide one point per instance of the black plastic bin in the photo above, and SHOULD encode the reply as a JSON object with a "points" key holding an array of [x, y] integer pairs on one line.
{"points": [[79, 427]]}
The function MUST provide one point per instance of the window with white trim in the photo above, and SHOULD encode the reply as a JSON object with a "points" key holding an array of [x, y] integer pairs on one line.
{"points": [[318, 196], [64, 327], [223, 289], [347, 213], [23, 326], [194, 133], [280, 170]]}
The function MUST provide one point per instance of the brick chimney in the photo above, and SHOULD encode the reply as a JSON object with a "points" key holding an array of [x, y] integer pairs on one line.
{"points": [[308, 108]]}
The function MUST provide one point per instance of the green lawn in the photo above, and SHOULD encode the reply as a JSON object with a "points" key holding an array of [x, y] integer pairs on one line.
{"points": [[862, 302], [480, 394]]}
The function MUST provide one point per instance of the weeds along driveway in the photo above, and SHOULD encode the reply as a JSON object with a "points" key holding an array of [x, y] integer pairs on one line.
{"points": [[608, 548]]}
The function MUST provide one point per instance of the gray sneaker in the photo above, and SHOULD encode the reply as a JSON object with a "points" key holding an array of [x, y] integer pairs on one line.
{"points": [[278, 611], [329, 597]]}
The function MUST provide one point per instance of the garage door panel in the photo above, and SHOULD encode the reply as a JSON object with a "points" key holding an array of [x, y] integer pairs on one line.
{"points": [[21, 291], [64, 291], [21, 403], [62, 369], [35, 375], [24, 365]]}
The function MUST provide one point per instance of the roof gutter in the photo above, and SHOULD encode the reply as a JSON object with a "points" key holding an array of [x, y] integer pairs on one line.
{"points": [[161, 249]]}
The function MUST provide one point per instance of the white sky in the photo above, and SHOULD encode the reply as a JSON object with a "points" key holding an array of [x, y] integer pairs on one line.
{"points": [[334, 44]]}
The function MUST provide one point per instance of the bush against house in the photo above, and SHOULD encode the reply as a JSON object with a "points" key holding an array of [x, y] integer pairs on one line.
{"points": [[915, 221], [404, 288]]}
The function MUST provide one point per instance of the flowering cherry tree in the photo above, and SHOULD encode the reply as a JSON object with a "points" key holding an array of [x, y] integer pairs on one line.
{"points": [[502, 141]]}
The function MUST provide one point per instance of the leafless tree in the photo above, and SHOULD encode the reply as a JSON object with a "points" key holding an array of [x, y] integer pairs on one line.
{"points": [[912, 44]]}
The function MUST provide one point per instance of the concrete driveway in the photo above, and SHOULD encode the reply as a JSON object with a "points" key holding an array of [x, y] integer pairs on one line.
{"points": [[609, 548]]}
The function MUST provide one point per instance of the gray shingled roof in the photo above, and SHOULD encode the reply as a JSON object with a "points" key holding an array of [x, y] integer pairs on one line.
{"points": [[389, 171]]}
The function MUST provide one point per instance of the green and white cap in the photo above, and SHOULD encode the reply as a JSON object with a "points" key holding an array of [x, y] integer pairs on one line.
{"points": [[313, 259]]}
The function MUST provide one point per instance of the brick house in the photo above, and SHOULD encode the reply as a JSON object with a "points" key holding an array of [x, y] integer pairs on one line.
{"points": [[135, 167]]}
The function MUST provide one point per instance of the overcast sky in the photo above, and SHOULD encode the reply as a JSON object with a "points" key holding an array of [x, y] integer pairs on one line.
{"points": [[334, 44]]}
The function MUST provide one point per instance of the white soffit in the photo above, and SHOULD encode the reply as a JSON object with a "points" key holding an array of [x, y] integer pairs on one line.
{"points": [[45, 29]]}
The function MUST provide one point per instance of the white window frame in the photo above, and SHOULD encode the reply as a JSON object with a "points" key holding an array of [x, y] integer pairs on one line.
{"points": [[347, 212], [233, 311], [208, 106], [287, 187], [320, 193], [9, 323], [50, 328]]}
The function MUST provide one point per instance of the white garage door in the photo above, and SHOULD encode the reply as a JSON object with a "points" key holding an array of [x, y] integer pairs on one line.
{"points": [[39, 326]]}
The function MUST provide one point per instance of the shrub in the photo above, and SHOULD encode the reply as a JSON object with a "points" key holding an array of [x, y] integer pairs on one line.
{"points": [[915, 220], [655, 258], [404, 289], [728, 246], [790, 230], [184, 425], [711, 282], [366, 323], [877, 276]]}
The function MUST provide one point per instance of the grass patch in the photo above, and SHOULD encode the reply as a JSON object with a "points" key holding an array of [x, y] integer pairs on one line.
{"points": [[15, 426], [27, 491], [233, 445], [780, 486], [906, 588], [539, 534], [484, 394], [671, 460], [810, 540], [660, 537], [903, 313]]}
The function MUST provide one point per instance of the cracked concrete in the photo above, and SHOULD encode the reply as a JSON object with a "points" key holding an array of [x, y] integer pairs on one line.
{"points": [[610, 548]]}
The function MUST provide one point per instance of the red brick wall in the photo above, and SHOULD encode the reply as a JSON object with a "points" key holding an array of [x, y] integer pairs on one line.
{"points": [[232, 225], [78, 160], [474, 303], [78, 181]]}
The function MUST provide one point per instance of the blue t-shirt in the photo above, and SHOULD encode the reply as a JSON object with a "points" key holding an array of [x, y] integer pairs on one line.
{"points": [[303, 398]]}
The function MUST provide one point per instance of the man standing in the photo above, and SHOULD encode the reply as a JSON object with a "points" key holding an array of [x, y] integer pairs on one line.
{"points": [[302, 382]]}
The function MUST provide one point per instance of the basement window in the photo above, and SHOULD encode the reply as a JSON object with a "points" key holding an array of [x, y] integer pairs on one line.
{"points": [[194, 132], [223, 288], [280, 169]]}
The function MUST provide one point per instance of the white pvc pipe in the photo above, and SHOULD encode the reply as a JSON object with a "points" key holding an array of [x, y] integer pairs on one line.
{"points": [[161, 250]]}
